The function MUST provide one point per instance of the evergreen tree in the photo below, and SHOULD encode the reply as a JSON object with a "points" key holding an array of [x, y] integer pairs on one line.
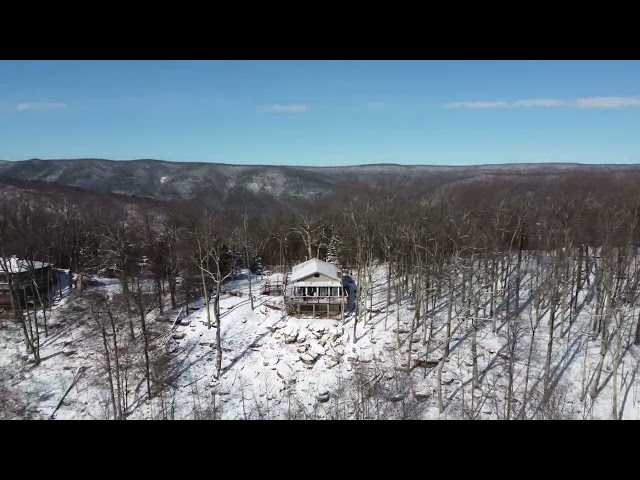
{"points": [[257, 266], [333, 250]]}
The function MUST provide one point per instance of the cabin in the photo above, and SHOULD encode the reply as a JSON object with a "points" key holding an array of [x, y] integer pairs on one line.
{"points": [[316, 287], [22, 274]]}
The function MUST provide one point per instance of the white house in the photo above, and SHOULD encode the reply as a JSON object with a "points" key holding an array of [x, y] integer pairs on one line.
{"points": [[315, 287]]}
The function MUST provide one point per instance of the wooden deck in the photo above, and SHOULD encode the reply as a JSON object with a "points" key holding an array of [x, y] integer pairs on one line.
{"points": [[325, 307], [273, 289]]}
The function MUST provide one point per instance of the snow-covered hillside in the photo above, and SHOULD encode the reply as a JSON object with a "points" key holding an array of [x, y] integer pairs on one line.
{"points": [[276, 367]]}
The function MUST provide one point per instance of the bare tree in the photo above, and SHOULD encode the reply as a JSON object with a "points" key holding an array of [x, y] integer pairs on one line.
{"points": [[215, 250]]}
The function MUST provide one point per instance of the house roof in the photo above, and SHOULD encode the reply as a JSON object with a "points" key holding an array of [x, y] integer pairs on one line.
{"points": [[18, 265], [305, 269]]}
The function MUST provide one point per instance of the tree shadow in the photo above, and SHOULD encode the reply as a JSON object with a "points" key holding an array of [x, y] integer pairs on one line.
{"points": [[492, 363], [229, 310], [630, 384], [573, 347], [609, 375], [176, 369], [242, 354], [42, 359]]}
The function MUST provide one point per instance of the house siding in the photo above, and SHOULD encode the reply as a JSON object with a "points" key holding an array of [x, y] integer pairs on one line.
{"points": [[321, 278]]}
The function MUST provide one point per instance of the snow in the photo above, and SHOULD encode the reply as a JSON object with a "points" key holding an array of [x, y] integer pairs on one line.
{"points": [[276, 366]]}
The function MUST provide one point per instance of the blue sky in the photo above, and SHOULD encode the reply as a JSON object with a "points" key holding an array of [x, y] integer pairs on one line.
{"points": [[322, 112]]}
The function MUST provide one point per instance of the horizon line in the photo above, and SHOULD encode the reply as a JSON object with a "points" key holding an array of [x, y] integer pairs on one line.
{"points": [[319, 166]]}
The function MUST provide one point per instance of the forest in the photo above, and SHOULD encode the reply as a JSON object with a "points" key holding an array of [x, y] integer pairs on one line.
{"points": [[529, 261]]}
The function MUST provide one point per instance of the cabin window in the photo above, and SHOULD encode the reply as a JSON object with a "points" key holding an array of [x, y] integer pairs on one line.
{"points": [[323, 291], [316, 274]]}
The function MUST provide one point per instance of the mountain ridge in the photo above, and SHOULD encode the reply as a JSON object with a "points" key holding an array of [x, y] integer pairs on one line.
{"points": [[419, 165], [178, 181]]}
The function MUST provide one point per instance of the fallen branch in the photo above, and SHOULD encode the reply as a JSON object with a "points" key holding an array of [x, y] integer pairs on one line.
{"points": [[178, 318], [79, 372], [196, 380]]}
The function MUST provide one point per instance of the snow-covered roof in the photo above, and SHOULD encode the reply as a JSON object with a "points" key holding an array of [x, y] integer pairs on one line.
{"points": [[18, 265], [312, 266]]}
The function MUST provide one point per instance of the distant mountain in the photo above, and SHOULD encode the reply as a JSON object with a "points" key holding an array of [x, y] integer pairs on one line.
{"points": [[171, 181], [168, 181]]}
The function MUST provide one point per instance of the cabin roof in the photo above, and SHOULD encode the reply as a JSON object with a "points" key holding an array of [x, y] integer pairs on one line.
{"points": [[18, 265], [305, 269]]}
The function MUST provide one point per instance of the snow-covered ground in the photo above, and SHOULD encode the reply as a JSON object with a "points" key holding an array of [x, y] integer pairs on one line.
{"points": [[275, 366]]}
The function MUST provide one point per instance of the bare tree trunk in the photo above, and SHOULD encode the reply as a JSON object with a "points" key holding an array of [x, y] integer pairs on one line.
{"points": [[172, 291], [525, 396], [616, 366], [370, 286], [119, 390], [49, 280], [562, 311], [17, 310], [449, 317], [604, 344], [603, 352], [250, 293], [205, 291], [547, 367], [578, 282], [35, 341], [185, 282], [586, 265], [358, 298], [398, 300], [494, 287], [245, 224], [216, 310], [309, 245], [439, 377], [386, 316], [341, 290], [109, 374], [44, 313], [125, 291], [143, 323], [414, 323], [427, 290], [160, 291]]}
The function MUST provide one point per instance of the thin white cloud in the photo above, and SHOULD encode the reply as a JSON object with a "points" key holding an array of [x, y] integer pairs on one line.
{"points": [[608, 102], [23, 107], [590, 102], [499, 104], [291, 108], [538, 102]]}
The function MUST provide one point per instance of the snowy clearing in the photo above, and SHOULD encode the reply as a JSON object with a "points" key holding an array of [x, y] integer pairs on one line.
{"points": [[275, 366]]}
